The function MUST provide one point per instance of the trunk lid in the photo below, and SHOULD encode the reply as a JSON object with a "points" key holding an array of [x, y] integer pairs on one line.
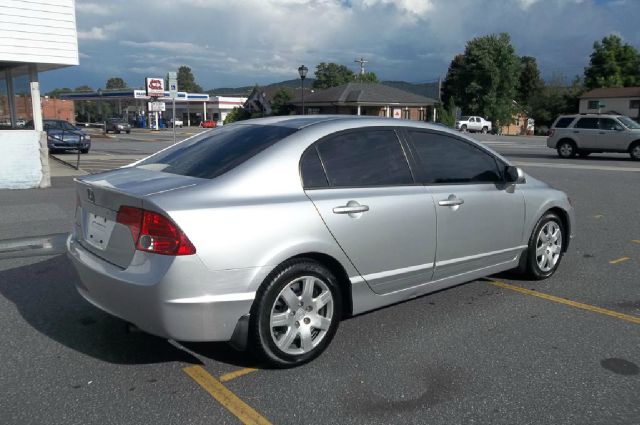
{"points": [[99, 198]]}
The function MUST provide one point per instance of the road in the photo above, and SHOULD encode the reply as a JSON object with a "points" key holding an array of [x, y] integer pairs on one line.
{"points": [[493, 351]]}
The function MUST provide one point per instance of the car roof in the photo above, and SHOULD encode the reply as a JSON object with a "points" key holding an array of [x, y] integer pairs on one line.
{"points": [[299, 122]]}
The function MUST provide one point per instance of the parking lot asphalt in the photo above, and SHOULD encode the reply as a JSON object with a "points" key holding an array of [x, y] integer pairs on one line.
{"points": [[494, 351]]}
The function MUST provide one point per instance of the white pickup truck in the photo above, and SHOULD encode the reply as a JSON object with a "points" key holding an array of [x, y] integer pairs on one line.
{"points": [[473, 123]]}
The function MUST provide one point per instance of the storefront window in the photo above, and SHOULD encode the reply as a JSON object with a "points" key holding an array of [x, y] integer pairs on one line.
{"points": [[22, 96], [5, 114]]}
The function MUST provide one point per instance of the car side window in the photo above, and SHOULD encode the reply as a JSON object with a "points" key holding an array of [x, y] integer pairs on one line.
{"points": [[447, 160], [564, 122], [311, 170], [587, 123], [609, 124], [364, 158]]}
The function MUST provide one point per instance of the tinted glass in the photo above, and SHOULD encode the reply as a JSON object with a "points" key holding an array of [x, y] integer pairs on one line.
{"points": [[589, 123], [218, 151], [609, 124], [365, 158], [444, 159], [311, 169], [564, 122], [629, 123]]}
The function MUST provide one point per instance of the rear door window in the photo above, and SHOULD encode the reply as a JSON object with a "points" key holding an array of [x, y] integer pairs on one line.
{"points": [[447, 160], [564, 122], [219, 150], [587, 123], [360, 158]]}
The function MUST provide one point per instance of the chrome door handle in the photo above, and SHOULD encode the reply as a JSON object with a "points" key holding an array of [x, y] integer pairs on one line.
{"points": [[451, 201], [351, 209]]}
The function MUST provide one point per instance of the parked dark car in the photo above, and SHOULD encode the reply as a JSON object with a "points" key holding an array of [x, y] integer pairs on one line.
{"points": [[117, 125], [63, 136]]}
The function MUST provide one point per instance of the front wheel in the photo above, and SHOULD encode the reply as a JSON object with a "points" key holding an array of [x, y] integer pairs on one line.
{"points": [[296, 313], [463, 128], [544, 250], [634, 151]]}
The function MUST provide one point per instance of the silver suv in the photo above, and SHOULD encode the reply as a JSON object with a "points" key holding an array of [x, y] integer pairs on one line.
{"points": [[583, 134]]}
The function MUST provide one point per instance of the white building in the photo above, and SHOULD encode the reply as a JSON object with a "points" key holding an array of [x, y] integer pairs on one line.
{"points": [[622, 100], [35, 36]]}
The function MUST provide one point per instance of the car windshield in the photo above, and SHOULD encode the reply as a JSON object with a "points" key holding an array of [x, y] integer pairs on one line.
{"points": [[59, 125], [218, 151], [629, 123]]}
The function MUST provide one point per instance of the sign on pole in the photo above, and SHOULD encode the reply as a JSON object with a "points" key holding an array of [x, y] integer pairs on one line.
{"points": [[154, 86], [173, 85], [157, 107]]}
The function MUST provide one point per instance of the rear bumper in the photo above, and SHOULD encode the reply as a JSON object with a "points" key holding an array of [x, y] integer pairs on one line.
{"points": [[172, 297]]}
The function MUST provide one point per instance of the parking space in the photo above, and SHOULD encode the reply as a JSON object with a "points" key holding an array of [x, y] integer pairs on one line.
{"points": [[493, 351]]}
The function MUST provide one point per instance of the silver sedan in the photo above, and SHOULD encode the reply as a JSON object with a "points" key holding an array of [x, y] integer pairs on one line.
{"points": [[267, 232]]}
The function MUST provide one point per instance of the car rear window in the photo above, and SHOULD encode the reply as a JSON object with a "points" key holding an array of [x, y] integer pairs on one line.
{"points": [[218, 151], [563, 122]]}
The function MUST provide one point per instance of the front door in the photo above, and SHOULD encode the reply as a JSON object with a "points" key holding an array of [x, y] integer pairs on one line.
{"points": [[383, 221], [480, 218], [585, 132]]}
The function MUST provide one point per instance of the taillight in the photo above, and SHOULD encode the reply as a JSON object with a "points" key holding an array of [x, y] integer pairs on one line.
{"points": [[153, 232]]}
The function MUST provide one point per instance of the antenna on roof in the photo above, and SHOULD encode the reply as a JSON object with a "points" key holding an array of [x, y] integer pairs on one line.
{"points": [[361, 61]]}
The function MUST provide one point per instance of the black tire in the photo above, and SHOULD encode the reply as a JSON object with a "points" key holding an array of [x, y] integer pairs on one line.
{"points": [[485, 130], [268, 300], [128, 131], [532, 269], [566, 149], [463, 128], [84, 150], [634, 151]]}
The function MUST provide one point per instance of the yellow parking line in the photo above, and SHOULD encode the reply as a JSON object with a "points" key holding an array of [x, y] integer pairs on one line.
{"points": [[225, 397], [591, 308], [236, 374], [635, 240], [619, 260]]}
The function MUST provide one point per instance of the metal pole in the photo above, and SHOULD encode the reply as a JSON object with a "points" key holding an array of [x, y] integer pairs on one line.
{"points": [[174, 120], [302, 92]]}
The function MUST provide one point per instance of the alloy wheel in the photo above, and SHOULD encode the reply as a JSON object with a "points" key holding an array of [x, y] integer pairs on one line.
{"points": [[548, 246], [301, 315]]}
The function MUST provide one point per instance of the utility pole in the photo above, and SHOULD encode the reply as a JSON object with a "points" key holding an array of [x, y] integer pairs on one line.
{"points": [[361, 61]]}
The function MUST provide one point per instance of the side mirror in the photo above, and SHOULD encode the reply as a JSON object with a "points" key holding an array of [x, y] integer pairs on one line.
{"points": [[514, 175]]}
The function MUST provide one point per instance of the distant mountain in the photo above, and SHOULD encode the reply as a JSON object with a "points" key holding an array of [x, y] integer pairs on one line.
{"points": [[422, 89]]}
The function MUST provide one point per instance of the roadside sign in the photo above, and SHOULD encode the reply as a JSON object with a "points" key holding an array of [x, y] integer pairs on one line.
{"points": [[157, 107], [154, 86], [140, 94], [173, 85]]}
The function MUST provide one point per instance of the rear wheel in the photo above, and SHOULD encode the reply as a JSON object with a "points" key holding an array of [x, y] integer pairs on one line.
{"points": [[485, 130], [84, 150], [544, 250], [296, 313], [566, 149], [634, 151]]}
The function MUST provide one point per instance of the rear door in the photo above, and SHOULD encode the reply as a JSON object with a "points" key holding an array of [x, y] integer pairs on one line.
{"points": [[612, 135], [480, 218], [585, 133], [361, 184]]}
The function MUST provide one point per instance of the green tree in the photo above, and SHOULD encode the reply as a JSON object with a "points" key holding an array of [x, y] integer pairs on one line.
{"points": [[446, 114], [281, 102], [554, 98], [115, 83], [484, 81], [187, 81], [332, 75], [452, 86], [530, 82], [367, 77], [83, 88], [236, 114], [612, 64]]}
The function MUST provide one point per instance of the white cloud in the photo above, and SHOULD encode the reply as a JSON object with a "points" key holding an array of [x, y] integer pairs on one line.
{"points": [[171, 46], [99, 33], [93, 8]]}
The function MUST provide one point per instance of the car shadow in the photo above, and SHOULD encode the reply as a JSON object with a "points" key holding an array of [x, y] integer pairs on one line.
{"points": [[44, 295]]}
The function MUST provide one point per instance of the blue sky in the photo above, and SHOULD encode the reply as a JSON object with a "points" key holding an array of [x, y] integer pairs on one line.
{"points": [[242, 42]]}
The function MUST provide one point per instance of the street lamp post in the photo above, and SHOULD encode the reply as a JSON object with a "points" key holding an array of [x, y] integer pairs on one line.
{"points": [[302, 70]]}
